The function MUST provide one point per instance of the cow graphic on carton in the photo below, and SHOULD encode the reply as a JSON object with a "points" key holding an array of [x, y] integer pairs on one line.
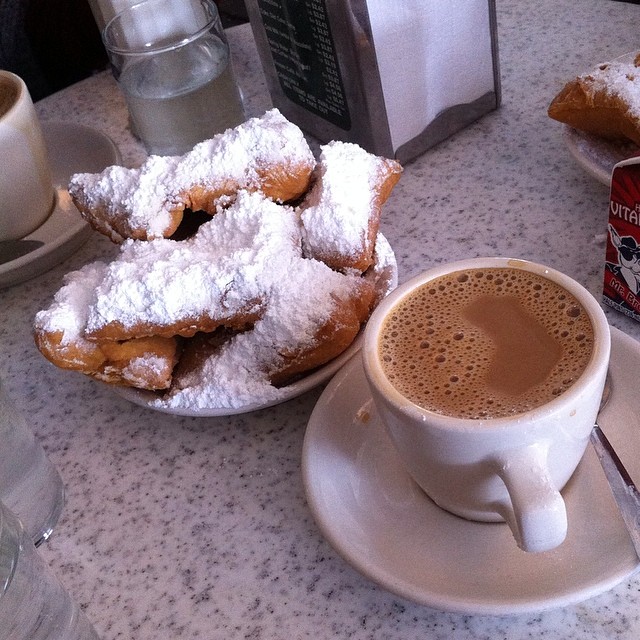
{"points": [[622, 265]]}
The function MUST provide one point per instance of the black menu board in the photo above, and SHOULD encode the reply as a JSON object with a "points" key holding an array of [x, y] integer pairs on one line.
{"points": [[304, 56]]}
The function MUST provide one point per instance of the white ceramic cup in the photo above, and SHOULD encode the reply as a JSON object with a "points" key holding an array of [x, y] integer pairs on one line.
{"points": [[27, 196], [495, 469]]}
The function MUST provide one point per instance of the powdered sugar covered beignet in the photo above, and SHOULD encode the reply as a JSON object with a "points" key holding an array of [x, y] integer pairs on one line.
{"points": [[145, 363], [604, 102], [312, 314], [267, 154], [341, 214], [217, 277], [223, 370]]}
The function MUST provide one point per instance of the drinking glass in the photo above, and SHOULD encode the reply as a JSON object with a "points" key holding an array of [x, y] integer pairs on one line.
{"points": [[171, 60], [30, 485], [33, 603]]}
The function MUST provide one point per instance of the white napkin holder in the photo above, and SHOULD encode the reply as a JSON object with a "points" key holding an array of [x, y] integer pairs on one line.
{"points": [[395, 77]]}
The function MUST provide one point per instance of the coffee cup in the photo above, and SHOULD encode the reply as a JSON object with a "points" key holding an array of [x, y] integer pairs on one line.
{"points": [[27, 195], [487, 374]]}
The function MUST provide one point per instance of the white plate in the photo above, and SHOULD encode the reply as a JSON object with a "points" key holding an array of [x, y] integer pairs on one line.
{"points": [[380, 522], [293, 390], [72, 149], [595, 155]]}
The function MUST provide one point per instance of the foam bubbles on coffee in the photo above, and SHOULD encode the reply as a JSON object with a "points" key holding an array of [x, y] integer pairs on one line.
{"points": [[486, 343]]}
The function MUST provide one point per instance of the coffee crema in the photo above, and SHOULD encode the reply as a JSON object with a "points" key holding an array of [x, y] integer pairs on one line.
{"points": [[485, 343]]}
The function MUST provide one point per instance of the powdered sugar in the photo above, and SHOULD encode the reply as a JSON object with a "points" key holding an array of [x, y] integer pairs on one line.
{"points": [[212, 275], [337, 213], [237, 374], [618, 78], [68, 313], [137, 370], [298, 295]]}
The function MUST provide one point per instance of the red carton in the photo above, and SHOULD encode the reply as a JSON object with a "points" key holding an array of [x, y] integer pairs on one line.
{"points": [[622, 265]]}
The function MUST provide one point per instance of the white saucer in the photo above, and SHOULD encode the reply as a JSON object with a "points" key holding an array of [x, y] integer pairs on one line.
{"points": [[72, 149], [380, 522], [595, 155]]}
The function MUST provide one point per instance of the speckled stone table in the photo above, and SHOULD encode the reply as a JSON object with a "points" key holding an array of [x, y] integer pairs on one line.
{"points": [[199, 528]]}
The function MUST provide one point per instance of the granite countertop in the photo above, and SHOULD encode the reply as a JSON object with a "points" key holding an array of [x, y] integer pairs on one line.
{"points": [[198, 528]]}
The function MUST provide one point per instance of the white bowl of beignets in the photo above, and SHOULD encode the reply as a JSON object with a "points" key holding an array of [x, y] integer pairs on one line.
{"points": [[245, 310]]}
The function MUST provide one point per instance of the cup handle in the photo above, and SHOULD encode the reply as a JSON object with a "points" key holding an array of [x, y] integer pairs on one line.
{"points": [[537, 513]]}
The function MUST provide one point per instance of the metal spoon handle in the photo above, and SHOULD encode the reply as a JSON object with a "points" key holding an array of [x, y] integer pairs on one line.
{"points": [[623, 488]]}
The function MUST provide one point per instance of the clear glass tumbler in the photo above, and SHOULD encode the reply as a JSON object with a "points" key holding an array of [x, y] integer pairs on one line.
{"points": [[172, 62], [33, 603], [30, 485]]}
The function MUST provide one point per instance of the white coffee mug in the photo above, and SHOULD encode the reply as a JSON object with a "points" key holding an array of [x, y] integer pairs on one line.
{"points": [[27, 195], [510, 468]]}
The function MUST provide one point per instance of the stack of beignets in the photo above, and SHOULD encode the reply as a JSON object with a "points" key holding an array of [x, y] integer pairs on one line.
{"points": [[604, 102], [276, 282]]}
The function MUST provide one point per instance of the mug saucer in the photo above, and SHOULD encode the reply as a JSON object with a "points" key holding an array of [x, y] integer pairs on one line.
{"points": [[72, 148], [381, 522]]}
